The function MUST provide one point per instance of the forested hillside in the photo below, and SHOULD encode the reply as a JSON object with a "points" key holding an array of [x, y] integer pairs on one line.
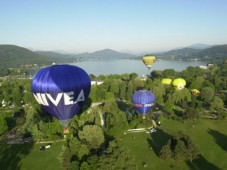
{"points": [[14, 56], [213, 53]]}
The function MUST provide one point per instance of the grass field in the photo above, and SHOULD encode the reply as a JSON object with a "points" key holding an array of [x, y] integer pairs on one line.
{"points": [[28, 156], [209, 136]]}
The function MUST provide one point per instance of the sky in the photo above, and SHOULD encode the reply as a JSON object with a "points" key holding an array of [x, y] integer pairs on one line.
{"points": [[75, 26]]}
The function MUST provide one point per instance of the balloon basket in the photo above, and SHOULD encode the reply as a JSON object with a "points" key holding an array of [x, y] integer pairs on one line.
{"points": [[66, 130]]}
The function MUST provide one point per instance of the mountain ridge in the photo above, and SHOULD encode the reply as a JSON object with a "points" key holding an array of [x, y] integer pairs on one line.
{"points": [[15, 56]]}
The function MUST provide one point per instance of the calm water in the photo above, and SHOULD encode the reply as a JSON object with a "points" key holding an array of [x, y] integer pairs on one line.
{"points": [[121, 66]]}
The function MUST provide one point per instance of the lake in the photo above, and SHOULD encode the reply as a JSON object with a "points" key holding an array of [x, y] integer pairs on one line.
{"points": [[121, 66]]}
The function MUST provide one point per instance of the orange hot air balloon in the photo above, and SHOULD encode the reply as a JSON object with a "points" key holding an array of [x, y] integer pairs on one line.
{"points": [[195, 92]]}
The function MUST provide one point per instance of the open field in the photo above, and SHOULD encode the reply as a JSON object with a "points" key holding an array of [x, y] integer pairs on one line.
{"points": [[28, 156], [209, 136]]}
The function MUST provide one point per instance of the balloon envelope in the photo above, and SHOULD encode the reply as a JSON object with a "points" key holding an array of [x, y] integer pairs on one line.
{"points": [[195, 92], [179, 83], [166, 81], [149, 60], [61, 90], [143, 100]]}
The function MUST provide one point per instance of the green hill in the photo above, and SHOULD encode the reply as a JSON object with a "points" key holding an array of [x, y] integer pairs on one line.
{"points": [[97, 55], [12, 56], [211, 53], [15, 56], [216, 52]]}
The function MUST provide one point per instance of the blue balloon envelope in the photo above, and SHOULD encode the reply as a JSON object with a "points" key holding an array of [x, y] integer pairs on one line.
{"points": [[61, 90], [143, 100]]}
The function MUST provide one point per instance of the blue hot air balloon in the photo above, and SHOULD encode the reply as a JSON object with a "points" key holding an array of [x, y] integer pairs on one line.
{"points": [[61, 90], [143, 100]]}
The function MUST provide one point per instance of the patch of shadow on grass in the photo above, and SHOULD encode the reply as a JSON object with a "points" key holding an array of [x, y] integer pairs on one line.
{"points": [[220, 138], [159, 139], [12, 154], [201, 163]]}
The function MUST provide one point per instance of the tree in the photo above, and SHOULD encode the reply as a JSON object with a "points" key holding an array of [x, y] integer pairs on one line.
{"points": [[156, 74], [117, 157], [78, 149], [85, 166], [93, 93], [192, 151], [122, 91], [92, 77], [17, 96], [159, 92], [110, 105], [179, 147], [133, 76], [66, 159], [180, 96], [191, 73], [92, 136], [207, 94], [3, 123], [169, 106], [191, 113], [180, 150], [166, 152], [217, 103], [116, 122], [53, 129], [93, 161], [114, 88], [196, 83], [169, 73], [137, 84], [109, 95], [129, 91]]}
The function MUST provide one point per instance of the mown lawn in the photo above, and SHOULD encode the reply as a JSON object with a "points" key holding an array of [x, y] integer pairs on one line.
{"points": [[209, 136], [28, 156]]}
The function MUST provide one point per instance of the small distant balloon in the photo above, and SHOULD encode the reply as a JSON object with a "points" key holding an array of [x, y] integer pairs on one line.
{"points": [[179, 83], [195, 92], [61, 90], [149, 60], [143, 100], [166, 81]]}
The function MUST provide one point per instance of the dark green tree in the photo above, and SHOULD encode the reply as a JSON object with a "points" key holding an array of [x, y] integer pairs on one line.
{"points": [[207, 94], [92, 136]]}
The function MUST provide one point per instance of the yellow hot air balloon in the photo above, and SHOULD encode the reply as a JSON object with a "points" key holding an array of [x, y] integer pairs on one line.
{"points": [[179, 83], [195, 92], [148, 60], [166, 81]]}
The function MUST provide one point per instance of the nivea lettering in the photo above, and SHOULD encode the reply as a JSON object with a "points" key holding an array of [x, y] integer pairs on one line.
{"points": [[144, 105], [43, 98], [148, 105]]}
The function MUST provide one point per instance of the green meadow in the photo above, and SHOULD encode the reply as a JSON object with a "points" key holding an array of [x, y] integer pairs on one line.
{"points": [[28, 156], [209, 136]]}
